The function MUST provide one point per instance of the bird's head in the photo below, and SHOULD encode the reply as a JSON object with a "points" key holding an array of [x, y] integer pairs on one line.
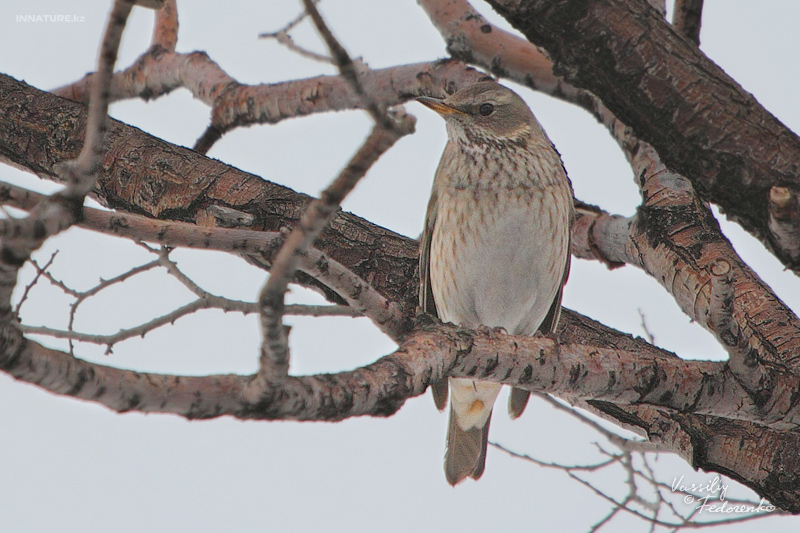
{"points": [[485, 111]]}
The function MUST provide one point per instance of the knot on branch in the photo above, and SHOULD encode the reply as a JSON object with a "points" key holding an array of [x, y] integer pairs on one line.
{"points": [[720, 307], [783, 222]]}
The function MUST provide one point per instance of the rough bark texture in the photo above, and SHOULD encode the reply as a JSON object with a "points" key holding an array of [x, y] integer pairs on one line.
{"points": [[142, 174], [739, 418], [39, 133], [701, 122]]}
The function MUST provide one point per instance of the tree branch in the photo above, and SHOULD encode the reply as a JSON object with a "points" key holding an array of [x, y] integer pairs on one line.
{"points": [[142, 174], [686, 17], [274, 361], [645, 376], [623, 52], [233, 104], [362, 299]]}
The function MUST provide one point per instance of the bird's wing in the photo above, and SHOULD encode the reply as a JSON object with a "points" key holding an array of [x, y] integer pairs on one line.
{"points": [[518, 399], [550, 322], [426, 301]]}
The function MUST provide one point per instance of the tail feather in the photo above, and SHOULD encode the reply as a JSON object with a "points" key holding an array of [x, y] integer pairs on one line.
{"points": [[439, 390], [466, 451], [517, 401]]}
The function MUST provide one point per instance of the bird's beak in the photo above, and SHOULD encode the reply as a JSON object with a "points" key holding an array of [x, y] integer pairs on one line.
{"points": [[438, 105]]}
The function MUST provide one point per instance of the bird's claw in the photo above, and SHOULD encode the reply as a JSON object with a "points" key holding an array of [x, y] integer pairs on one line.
{"points": [[491, 332], [552, 336]]}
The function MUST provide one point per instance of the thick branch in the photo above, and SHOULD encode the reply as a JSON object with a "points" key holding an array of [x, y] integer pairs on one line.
{"points": [[275, 349], [642, 376], [158, 189], [675, 238], [142, 174], [708, 129], [158, 72], [56, 213], [359, 295]]}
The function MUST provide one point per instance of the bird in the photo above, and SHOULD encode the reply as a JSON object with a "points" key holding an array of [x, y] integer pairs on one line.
{"points": [[495, 249]]}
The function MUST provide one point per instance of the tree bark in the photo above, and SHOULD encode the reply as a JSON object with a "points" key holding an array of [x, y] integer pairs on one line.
{"points": [[145, 175], [701, 122]]}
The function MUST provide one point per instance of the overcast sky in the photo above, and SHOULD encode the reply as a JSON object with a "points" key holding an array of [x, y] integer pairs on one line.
{"points": [[74, 466]]}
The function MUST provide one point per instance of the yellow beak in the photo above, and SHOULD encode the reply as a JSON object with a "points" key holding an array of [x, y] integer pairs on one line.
{"points": [[439, 106]]}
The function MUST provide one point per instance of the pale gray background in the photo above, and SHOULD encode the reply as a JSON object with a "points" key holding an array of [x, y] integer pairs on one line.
{"points": [[73, 466]]}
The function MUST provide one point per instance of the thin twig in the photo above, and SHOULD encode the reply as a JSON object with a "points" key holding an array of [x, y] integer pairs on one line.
{"points": [[289, 26], [347, 67], [286, 40], [647, 333], [58, 212], [274, 361], [620, 442], [40, 271], [142, 329], [205, 300], [633, 495], [545, 464], [359, 295], [81, 297], [282, 36]]}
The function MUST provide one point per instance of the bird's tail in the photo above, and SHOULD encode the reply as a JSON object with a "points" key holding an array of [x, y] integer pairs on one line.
{"points": [[465, 455]]}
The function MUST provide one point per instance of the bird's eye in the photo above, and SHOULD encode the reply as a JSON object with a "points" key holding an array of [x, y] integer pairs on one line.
{"points": [[486, 109]]}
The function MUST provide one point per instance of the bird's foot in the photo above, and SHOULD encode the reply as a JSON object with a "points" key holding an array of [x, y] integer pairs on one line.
{"points": [[552, 336], [491, 332]]}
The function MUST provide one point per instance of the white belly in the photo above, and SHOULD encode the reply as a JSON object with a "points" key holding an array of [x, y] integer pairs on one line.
{"points": [[497, 267]]}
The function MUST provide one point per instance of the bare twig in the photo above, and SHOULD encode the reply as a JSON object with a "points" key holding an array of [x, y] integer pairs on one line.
{"points": [[286, 40], [591, 467], [360, 296], [123, 334], [60, 211], [316, 217], [81, 297], [274, 361], [289, 25], [647, 333], [634, 496], [347, 68], [80, 175], [56, 213], [40, 271], [205, 300], [282, 36]]}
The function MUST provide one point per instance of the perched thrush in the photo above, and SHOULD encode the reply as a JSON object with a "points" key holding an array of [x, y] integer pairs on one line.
{"points": [[495, 249]]}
